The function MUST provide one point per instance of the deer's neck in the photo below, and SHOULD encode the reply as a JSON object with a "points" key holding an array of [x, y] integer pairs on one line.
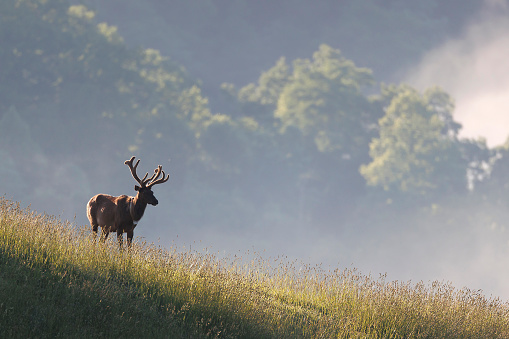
{"points": [[137, 208]]}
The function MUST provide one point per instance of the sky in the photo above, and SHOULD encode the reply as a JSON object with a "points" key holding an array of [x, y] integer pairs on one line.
{"points": [[474, 69]]}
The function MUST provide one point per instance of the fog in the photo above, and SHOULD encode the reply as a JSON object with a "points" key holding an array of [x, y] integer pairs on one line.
{"points": [[456, 243], [474, 69]]}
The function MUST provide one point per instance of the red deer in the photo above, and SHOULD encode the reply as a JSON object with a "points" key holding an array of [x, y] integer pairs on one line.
{"points": [[121, 214]]}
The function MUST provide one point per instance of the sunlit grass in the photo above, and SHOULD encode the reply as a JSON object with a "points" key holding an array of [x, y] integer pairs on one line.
{"points": [[55, 281]]}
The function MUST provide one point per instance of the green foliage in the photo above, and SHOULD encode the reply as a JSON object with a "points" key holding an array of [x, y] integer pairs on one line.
{"points": [[78, 65], [494, 185], [324, 101], [71, 76], [83, 101], [48, 292], [56, 282], [321, 121], [270, 85], [259, 100], [417, 150], [248, 36]]}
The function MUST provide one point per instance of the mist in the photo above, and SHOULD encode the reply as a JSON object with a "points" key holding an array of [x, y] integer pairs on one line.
{"points": [[474, 69], [238, 188]]}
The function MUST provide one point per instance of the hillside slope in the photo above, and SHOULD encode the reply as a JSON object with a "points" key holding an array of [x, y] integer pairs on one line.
{"points": [[56, 282]]}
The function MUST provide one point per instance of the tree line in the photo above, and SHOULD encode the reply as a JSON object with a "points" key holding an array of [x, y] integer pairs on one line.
{"points": [[313, 138]]}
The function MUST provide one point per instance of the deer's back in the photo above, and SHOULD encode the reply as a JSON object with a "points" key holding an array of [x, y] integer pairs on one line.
{"points": [[102, 208]]}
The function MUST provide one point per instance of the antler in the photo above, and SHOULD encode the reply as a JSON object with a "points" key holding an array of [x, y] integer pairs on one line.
{"points": [[143, 181], [157, 173]]}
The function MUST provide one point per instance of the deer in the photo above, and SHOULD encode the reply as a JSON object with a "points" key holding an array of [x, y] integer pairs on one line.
{"points": [[121, 214]]}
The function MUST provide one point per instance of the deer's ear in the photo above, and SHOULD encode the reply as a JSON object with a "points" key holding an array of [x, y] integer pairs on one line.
{"points": [[137, 188]]}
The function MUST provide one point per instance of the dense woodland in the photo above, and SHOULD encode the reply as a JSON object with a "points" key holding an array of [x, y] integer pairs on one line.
{"points": [[319, 137]]}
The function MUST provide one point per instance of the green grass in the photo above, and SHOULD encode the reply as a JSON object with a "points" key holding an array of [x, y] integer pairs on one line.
{"points": [[56, 282]]}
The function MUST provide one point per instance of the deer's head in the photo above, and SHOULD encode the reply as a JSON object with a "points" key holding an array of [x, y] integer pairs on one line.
{"points": [[144, 189]]}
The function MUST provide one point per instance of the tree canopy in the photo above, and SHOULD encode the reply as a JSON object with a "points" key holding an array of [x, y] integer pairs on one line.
{"points": [[311, 136], [417, 151]]}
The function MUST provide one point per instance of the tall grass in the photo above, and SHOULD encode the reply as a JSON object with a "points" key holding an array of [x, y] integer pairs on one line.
{"points": [[55, 281]]}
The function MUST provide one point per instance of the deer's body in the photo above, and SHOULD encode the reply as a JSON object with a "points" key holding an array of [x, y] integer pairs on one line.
{"points": [[113, 214], [121, 214]]}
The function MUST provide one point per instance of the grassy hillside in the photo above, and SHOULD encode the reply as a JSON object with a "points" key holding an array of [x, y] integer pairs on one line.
{"points": [[56, 282]]}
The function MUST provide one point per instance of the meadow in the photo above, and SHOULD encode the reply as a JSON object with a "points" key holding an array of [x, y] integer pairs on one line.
{"points": [[57, 282]]}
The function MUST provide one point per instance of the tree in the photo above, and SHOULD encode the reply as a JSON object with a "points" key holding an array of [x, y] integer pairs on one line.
{"points": [[270, 85], [324, 100], [85, 101], [259, 100], [417, 152], [495, 184], [325, 122]]}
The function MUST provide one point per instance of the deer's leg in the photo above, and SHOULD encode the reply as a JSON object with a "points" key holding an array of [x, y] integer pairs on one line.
{"points": [[94, 230], [104, 233], [130, 235], [120, 237]]}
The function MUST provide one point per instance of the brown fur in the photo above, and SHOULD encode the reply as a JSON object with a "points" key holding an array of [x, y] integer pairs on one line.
{"points": [[121, 214]]}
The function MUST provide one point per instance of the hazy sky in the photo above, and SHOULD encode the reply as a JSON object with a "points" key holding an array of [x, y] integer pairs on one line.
{"points": [[474, 69]]}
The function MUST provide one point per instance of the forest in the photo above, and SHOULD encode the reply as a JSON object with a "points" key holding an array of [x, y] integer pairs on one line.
{"points": [[283, 125]]}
